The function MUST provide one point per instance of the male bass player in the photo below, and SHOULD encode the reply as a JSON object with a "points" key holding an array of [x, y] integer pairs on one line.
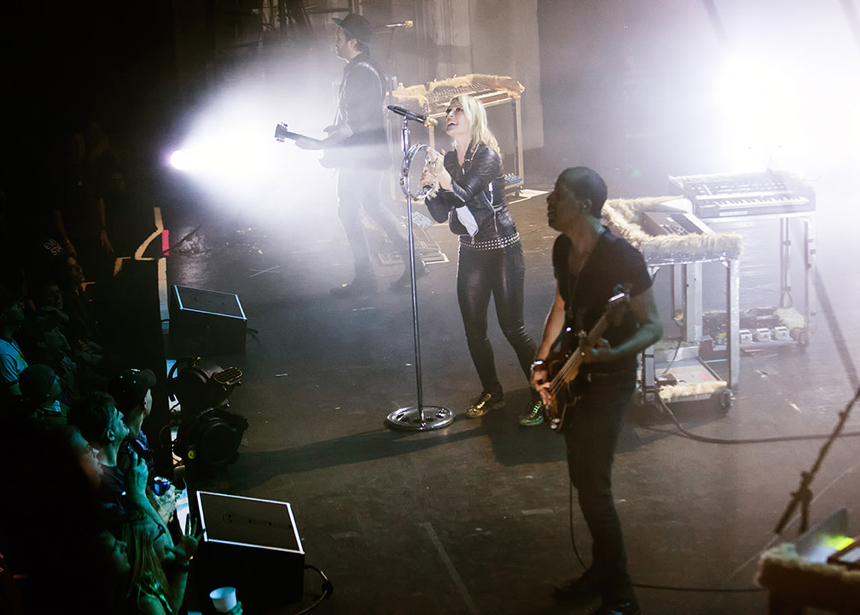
{"points": [[357, 145], [589, 263]]}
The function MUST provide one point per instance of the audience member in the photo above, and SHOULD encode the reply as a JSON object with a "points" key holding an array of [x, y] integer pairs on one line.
{"points": [[74, 461], [122, 489], [48, 300], [43, 343], [52, 534], [41, 385], [159, 575], [88, 457], [101, 424], [82, 330], [12, 361], [131, 390], [113, 556]]}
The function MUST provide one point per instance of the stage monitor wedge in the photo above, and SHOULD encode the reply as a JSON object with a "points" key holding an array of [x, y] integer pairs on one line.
{"points": [[252, 545], [206, 322]]}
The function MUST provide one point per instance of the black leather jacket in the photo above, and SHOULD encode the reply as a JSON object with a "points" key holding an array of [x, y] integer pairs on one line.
{"points": [[360, 117], [477, 191]]}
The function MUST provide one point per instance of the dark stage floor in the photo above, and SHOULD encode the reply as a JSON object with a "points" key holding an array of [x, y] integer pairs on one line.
{"points": [[474, 517]]}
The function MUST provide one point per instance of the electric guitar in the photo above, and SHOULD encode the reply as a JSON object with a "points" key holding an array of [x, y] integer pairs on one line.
{"points": [[563, 372], [328, 160], [281, 133]]}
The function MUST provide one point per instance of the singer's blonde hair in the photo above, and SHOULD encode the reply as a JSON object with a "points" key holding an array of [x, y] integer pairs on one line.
{"points": [[477, 116]]}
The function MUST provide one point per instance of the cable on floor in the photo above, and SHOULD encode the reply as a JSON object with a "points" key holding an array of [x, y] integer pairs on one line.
{"points": [[327, 589], [711, 441], [708, 440], [646, 585]]}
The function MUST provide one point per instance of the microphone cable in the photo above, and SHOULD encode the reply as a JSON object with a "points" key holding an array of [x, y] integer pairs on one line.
{"points": [[648, 585]]}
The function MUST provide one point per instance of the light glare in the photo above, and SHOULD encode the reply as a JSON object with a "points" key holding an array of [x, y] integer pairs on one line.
{"points": [[761, 107], [180, 161]]}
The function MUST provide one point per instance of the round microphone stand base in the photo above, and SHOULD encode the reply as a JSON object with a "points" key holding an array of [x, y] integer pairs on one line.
{"points": [[420, 419]]}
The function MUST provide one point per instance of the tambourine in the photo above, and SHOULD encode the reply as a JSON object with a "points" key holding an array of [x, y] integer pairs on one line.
{"points": [[418, 175]]}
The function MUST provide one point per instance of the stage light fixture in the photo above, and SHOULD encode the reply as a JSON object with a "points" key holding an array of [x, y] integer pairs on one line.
{"points": [[180, 160]]}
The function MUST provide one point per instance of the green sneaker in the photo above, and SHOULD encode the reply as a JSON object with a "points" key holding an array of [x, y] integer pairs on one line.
{"points": [[533, 416], [485, 403]]}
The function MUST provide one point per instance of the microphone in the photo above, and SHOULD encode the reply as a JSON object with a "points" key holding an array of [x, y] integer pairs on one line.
{"points": [[409, 115], [401, 24]]}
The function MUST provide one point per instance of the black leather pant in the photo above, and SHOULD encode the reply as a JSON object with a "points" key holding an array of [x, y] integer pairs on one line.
{"points": [[500, 273], [359, 189]]}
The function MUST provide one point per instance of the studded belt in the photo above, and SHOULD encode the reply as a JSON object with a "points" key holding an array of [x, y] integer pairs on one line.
{"points": [[493, 244]]}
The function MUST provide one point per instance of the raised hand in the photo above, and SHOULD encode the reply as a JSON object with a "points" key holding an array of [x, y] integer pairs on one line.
{"points": [[187, 545], [137, 476]]}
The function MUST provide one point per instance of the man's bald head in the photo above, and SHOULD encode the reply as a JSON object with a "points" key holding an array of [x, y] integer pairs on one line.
{"points": [[583, 183]]}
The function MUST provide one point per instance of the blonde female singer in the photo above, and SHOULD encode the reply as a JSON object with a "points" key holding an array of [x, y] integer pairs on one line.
{"points": [[471, 198]]}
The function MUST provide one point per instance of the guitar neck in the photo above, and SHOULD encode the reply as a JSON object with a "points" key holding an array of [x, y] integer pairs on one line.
{"points": [[598, 330], [570, 369], [282, 133]]}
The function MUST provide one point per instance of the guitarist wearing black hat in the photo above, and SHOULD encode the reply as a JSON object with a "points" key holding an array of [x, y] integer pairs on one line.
{"points": [[358, 147], [590, 265]]}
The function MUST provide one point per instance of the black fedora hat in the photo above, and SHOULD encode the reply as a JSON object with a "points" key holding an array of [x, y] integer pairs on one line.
{"points": [[357, 26]]}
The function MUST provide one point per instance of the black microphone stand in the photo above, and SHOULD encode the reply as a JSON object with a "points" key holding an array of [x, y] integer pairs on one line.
{"points": [[803, 496], [419, 417]]}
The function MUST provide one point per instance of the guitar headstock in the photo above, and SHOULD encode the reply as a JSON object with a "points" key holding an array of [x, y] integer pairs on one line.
{"points": [[281, 132], [617, 304]]}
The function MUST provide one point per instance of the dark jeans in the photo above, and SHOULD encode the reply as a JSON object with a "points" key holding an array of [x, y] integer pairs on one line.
{"points": [[359, 189], [500, 273], [591, 437]]}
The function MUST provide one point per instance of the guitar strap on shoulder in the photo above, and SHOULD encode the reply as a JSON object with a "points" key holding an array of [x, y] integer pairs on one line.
{"points": [[575, 318]]}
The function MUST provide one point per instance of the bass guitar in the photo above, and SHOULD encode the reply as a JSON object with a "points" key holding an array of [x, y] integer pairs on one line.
{"points": [[565, 371]]}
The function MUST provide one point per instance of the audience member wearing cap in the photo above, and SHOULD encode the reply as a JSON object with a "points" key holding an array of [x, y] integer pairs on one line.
{"points": [[12, 361], [132, 391], [42, 386]]}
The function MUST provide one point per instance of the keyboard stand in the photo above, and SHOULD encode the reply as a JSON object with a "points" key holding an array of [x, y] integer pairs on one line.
{"points": [[688, 373]]}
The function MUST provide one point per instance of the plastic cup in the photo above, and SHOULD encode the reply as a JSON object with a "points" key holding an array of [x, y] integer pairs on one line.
{"points": [[224, 598]]}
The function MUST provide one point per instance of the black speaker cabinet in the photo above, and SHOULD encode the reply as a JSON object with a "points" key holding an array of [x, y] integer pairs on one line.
{"points": [[206, 322], [252, 545]]}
